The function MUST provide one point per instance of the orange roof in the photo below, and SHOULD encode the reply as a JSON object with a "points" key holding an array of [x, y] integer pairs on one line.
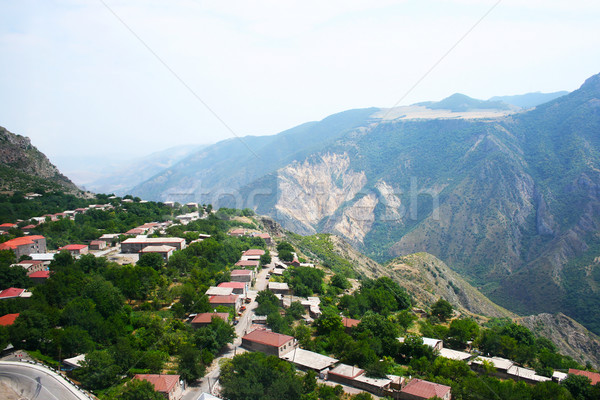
{"points": [[268, 338], [594, 376], [264, 236], [11, 292], [253, 252], [246, 263], [7, 225], [20, 241], [425, 389], [206, 318], [40, 274], [161, 383], [349, 322], [73, 247], [8, 319]]}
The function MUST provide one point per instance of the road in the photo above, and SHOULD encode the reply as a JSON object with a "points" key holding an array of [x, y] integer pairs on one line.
{"points": [[245, 321], [36, 382]]}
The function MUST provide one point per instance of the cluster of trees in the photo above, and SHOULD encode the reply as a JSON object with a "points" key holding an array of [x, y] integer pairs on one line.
{"points": [[381, 295], [305, 281], [15, 207], [285, 251], [279, 320]]}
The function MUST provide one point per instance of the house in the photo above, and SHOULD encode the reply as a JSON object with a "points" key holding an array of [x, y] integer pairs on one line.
{"points": [[594, 376], [169, 203], [39, 276], [238, 287], [237, 232], [247, 264], [306, 360], [8, 319], [31, 266], [269, 342], [109, 238], [501, 365], [169, 385], [97, 245], [234, 301], [378, 386], [136, 231], [135, 245], [26, 245], [74, 362], [219, 291], [28, 228], [252, 254], [165, 251], [12, 293], [75, 249], [204, 319], [191, 204], [241, 275], [266, 237], [454, 354], [418, 389], [344, 374], [525, 374], [279, 288], [349, 323], [6, 226]]}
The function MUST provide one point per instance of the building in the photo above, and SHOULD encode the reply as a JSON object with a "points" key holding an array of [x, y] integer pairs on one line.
{"points": [[204, 319], [240, 288], [594, 376], [237, 232], [12, 293], [169, 386], [242, 275], [501, 365], [75, 249], [234, 301], [219, 291], [31, 266], [28, 228], [109, 238], [26, 245], [252, 254], [39, 276], [350, 323], [269, 342], [306, 360], [526, 375], [165, 251], [279, 288], [266, 237], [8, 319], [97, 245], [247, 264], [135, 245], [418, 389], [6, 226], [344, 374], [455, 354]]}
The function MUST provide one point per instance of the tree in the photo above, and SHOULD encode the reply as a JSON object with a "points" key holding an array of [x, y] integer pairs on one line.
{"points": [[190, 365], [295, 310], [329, 321], [442, 310], [461, 331], [99, 370], [152, 260], [267, 303], [340, 281], [579, 386], [285, 255], [285, 246], [265, 258], [136, 389]]}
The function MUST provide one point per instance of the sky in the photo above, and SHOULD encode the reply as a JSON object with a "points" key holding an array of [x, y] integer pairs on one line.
{"points": [[117, 79]]}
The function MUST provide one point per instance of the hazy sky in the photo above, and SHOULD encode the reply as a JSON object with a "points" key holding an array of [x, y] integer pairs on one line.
{"points": [[78, 81]]}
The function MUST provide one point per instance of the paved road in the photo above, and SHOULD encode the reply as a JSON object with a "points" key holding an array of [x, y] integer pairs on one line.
{"points": [[35, 382], [208, 381]]}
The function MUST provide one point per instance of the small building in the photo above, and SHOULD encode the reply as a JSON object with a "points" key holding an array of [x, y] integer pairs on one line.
{"points": [[8, 319], [135, 245], [74, 362], [252, 254], [237, 232], [31, 266], [28, 228], [306, 360], [97, 245], [109, 238], [219, 291], [241, 275], [281, 288], [378, 386], [277, 271], [269, 342], [6, 226], [594, 376], [136, 231], [39, 276], [75, 249], [25, 245], [344, 374], [526, 375], [350, 323], [240, 288], [165, 251], [234, 301], [266, 237], [204, 319], [455, 354], [418, 389], [247, 264], [12, 293], [502, 365], [169, 386]]}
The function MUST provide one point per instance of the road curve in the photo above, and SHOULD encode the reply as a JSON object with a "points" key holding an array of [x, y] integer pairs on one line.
{"points": [[34, 382]]}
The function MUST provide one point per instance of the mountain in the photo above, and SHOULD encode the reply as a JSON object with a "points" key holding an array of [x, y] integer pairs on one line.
{"points": [[508, 199], [529, 100], [24, 168], [459, 102], [120, 176]]}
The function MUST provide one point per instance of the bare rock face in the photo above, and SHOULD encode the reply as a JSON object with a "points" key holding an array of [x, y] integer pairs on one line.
{"points": [[571, 338], [316, 188]]}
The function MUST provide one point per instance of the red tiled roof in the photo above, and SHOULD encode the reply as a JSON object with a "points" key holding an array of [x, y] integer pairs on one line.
{"points": [[161, 383], [40, 274], [73, 247], [14, 243], [235, 285], [241, 272], [135, 231], [8, 319], [594, 376], [267, 337], [206, 318], [28, 227], [253, 252], [425, 389], [247, 263], [7, 225], [11, 292], [264, 236], [231, 299], [31, 262], [349, 322]]}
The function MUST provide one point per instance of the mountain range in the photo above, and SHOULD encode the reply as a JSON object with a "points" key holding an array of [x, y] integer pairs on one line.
{"points": [[508, 197]]}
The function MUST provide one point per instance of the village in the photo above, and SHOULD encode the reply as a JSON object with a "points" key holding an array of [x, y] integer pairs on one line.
{"points": [[236, 301]]}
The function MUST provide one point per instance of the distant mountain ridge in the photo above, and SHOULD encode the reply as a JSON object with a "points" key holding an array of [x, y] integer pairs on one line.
{"points": [[24, 168], [529, 100]]}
